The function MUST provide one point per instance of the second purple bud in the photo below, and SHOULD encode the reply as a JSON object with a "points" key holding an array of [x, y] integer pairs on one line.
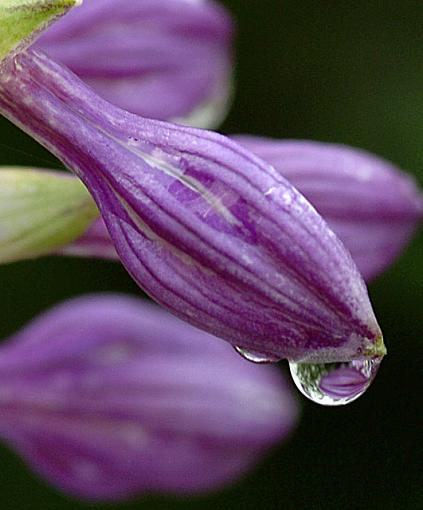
{"points": [[167, 59], [371, 205], [108, 397]]}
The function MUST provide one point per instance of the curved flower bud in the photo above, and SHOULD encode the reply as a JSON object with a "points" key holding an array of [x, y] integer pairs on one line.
{"points": [[40, 212], [207, 229], [373, 207], [109, 396], [167, 59], [21, 20]]}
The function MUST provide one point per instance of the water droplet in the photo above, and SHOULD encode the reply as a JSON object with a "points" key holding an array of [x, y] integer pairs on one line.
{"points": [[256, 357], [334, 384]]}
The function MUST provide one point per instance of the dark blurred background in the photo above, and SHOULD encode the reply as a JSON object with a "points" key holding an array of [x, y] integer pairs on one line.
{"points": [[349, 72]]}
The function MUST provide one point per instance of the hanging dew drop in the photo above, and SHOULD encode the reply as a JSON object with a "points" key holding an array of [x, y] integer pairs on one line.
{"points": [[256, 357], [335, 384]]}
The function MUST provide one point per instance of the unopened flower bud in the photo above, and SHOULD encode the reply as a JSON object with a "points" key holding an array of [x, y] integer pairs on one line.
{"points": [[108, 397], [210, 231], [167, 59], [371, 205]]}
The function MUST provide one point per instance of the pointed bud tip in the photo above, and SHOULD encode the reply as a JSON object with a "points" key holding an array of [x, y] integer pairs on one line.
{"points": [[21, 21], [375, 349]]}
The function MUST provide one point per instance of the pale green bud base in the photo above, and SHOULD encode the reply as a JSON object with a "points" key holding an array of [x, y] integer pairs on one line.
{"points": [[40, 212]]}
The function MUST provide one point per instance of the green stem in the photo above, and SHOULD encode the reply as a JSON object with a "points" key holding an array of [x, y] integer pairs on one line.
{"points": [[22, 20]]}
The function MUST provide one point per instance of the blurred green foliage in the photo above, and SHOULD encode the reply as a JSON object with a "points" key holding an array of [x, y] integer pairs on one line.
{"points": [[349, 72]]}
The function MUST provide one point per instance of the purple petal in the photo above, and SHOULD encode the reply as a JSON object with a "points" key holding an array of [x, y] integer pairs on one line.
{"points": [[371, 205], [164, 60], [109, 396], [207, 229]]}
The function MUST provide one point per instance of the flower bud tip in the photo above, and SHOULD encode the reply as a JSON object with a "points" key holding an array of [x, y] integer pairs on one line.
{"points": [[375, 349]]}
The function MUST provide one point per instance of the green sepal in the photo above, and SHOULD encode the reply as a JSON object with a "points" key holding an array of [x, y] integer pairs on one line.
{"points": [[22, 20]]}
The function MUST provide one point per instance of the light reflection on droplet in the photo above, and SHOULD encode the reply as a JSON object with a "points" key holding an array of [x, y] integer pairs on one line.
{"points": [[256, 357], [334, 384]]}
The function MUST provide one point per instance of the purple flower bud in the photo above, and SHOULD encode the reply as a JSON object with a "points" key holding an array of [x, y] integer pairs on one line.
{"points": [[372, 206], [108, 396], [167, 59], [207, 229]]}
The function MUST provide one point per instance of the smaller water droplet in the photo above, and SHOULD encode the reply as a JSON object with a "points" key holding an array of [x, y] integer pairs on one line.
{"points": [[334, 384], [256, 357]]}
